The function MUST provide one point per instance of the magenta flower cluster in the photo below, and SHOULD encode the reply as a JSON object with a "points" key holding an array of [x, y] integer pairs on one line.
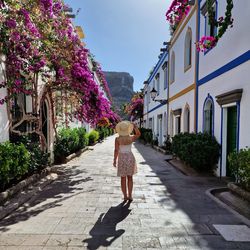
{"points": [[206, 43], [103, 80], [41, 40], [177, 10], [135, 108]]}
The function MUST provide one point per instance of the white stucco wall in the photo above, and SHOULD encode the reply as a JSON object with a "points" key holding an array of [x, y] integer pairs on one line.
{"points": [[234, 79], [183, 79], [152, 83], [181, 103], [232, 45], [155, 126], [153, 109], [4, 122], [234, 42]]}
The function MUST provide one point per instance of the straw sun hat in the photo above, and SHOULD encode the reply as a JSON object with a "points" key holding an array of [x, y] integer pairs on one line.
{"points": [[124, 128]]}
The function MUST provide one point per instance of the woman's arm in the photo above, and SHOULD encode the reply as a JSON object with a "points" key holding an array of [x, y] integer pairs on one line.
{"points": [[116, 151], [137, 132]]}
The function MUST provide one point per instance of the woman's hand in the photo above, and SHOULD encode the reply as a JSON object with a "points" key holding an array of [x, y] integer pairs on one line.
{"points": [[114, 163], [135, 126]]}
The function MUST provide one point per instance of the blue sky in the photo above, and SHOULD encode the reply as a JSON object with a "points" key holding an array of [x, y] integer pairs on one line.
{"points": [[124, 35]]}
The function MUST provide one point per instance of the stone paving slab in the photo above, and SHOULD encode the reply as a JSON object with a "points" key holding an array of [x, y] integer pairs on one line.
{"points": [[83, 209], [239, 233]]}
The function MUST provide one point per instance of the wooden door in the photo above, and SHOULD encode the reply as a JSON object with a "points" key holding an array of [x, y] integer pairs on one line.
{"points": [[231, 132]]}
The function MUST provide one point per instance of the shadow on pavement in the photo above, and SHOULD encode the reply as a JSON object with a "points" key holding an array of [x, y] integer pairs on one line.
{"points": [[65, 187], [186, 204], [104, 231]]}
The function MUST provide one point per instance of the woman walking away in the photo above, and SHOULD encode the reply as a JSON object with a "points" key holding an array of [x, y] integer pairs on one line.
{"points": [[126, 166]]}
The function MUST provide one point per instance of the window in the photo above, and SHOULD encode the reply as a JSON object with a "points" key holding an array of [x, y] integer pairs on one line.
{"points": [[177, 125], [208, 116], [145, 98], [150, 123], [165, 124], [172, 68], [171, 128], [187, 120], [210, 29], [165, 73], [188, 50], [158, 83], [149, 97]]}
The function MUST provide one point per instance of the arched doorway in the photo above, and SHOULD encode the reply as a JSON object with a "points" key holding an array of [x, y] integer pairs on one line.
{"points": [[208, 116]]}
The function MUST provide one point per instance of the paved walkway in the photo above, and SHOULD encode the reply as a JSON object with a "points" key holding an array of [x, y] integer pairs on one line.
{"points": [[83, 209]]}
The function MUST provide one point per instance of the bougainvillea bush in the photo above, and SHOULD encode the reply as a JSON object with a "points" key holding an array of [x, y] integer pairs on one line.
{"points": [[38, 39], [135, 108], [177, 10]]}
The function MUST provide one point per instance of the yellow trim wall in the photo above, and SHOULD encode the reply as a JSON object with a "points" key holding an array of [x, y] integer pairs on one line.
{"points": [[181, 93]]}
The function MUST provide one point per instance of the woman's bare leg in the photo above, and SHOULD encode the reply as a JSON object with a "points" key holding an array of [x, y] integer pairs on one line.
{"points": [[124, 187], [130, 186]]}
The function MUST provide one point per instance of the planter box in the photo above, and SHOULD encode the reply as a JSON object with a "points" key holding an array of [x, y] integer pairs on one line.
{"points": [[159, 149], [7, 194], [239, 191], [74, 155]]}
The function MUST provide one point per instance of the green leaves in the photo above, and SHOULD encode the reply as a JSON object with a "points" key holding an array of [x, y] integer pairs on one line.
{"points": [[14, 162], [69, 141], [93, 137], [239, 164], [146, 135], [104, 132], [200, 151]]}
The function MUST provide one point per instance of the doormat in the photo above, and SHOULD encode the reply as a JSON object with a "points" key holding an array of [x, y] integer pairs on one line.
{"points": [[240, 233]]}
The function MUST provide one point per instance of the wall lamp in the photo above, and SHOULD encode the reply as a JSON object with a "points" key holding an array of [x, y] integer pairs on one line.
{"points": [[153, 94]]}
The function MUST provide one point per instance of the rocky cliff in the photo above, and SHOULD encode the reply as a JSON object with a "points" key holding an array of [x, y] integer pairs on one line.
{"points": [[121, 87]]}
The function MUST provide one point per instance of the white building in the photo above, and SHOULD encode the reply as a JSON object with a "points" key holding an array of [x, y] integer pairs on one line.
{"points": [[155, 111], [22, 118], [223, 81], [182, 68]]}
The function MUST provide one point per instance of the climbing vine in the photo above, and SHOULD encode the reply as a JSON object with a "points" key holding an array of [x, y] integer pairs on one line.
{"points": [[223, 23]]}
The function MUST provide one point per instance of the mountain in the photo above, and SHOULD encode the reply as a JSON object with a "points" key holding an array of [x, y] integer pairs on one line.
{"points": [[121, 85]]}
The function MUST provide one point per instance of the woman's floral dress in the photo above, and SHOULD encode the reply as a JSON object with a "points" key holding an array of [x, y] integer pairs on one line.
{"points": [[126, 161]]}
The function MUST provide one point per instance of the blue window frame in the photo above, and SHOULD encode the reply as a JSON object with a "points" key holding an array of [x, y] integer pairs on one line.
{"points": [[210, 30]]}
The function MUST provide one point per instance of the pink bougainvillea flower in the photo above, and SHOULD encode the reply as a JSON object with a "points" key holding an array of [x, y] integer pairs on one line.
{"points": [[11, 23]]}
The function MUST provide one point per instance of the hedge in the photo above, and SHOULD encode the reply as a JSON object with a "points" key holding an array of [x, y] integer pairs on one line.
{"points": [[69, 141], [146, 135], [93, 137], [39, 159], [239, 164], [104, 132], [14, 162], [200, 151]]}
